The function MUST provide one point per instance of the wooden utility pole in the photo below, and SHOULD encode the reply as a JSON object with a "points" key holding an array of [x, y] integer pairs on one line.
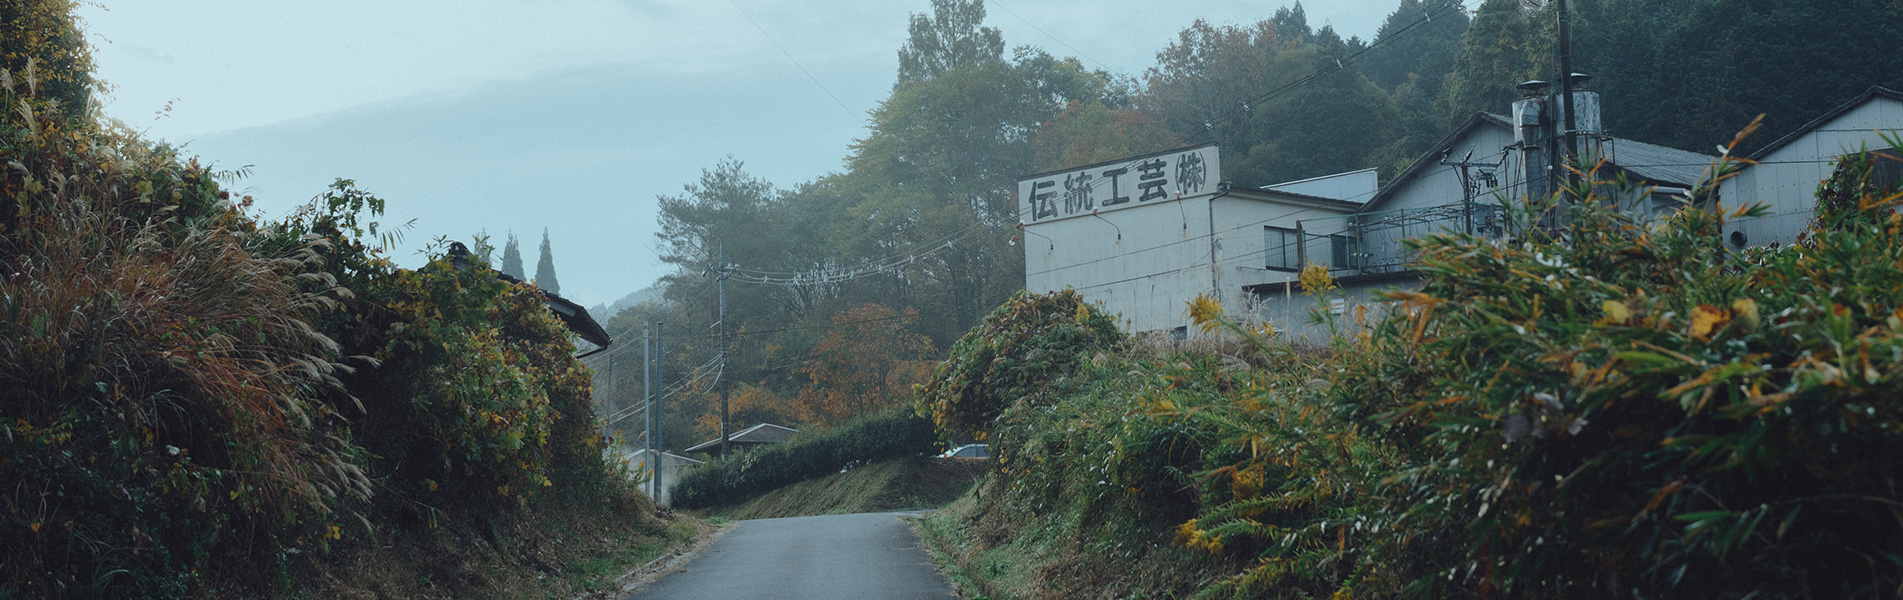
{"points": [[647, 396], [660, 399], [723, 379], [1566, 86]]}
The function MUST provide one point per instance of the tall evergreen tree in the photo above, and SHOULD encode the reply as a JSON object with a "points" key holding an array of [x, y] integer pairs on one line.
{"points": [[1418, 44], [545, 268], [952, 37], [512, 258], [1494, 57]]}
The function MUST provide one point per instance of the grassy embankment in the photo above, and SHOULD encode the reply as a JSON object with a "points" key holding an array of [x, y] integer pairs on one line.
{"points": [[891, 485], [1631, 409]]}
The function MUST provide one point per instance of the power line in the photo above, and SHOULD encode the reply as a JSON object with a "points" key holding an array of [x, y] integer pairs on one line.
{"points": [[1034, 26], [789, 57]]}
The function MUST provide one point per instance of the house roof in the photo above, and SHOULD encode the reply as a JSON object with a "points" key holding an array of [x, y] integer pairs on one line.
{"points": [[1650, 162], [642, 454], [1445, 145], [764, 433], [1871, 94], [573, 315], [1659, 164], [1268, 195]]}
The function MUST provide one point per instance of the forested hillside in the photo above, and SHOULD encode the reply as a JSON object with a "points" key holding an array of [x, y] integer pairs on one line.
{"points": [[914, 235]]}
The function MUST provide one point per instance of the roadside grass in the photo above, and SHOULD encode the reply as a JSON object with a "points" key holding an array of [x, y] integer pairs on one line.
{"points": [[902, 484], [1065, 553], [557, 551]]}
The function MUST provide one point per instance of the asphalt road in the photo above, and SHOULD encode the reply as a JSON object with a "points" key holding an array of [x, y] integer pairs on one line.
{"points": [[874, 556]]}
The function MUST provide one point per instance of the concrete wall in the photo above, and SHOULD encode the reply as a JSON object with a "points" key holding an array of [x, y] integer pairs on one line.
{"points": [[1786, 179]]}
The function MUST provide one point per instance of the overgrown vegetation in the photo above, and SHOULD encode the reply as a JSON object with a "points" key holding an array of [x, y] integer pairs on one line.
{"points": [[1618, 408], [201, 402], [893, 433]]}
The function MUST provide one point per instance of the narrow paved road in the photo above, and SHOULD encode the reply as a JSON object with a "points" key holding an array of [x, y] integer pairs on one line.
{"points": [[873, 556]]}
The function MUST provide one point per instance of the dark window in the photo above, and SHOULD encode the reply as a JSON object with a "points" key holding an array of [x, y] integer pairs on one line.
{"points": [[1281, 249], [1342, 250], [1888, 169]]}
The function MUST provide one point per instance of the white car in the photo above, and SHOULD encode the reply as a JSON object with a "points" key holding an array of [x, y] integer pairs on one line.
{"points": [[968, 451]]}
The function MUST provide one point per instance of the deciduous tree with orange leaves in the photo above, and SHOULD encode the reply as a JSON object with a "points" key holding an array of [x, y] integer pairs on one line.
{"points": [[868, 361]]}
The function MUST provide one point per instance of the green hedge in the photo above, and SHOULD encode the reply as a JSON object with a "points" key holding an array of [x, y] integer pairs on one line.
{"points": [[894, 433]]}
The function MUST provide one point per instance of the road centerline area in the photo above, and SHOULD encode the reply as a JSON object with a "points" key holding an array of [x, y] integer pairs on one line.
{"points": [[873, 555]]}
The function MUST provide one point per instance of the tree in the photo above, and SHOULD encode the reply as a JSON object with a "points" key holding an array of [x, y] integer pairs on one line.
{"points": [[1205, 76], [953, 37], [46, 56], [867, 361], [1337, 122], [1092, 133], [482, 248], [1495, 55], [1417, 45], [512, 258], [545, 268]]}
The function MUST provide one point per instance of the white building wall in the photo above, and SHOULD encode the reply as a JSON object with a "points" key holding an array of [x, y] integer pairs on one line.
{"points": [[1145, 278], [1786, 179], [1439, 185]]}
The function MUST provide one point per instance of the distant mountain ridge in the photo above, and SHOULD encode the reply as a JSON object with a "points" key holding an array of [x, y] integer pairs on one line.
{"points": [[603, 312]]}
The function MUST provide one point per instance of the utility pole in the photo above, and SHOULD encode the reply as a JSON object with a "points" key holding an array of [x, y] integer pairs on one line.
{"points": [[612, 388], [647, 396], [1566, 86], [660, 398], [723, 381]]}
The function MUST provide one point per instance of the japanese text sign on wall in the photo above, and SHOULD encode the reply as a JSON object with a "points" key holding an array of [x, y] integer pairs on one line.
{"points": [[1119, 184]]}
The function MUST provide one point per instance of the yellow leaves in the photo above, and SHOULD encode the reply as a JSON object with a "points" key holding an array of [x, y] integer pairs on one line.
{"points": [[1616, 313], [1746, 312], [336, 532], [1316, 281], [1707, 319], [35, 527], [546, 482], [1190, 535], [1206, 312]]}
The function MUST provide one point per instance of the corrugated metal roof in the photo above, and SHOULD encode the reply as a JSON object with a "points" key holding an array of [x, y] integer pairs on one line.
{"points": [[1659, 164]]}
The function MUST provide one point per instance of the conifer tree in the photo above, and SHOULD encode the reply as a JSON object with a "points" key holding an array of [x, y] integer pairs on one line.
{"points": [[545, 268], [512, 258]]}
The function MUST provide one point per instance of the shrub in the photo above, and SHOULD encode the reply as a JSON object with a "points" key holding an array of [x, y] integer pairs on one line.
{"points": [[1021, 348], [894, 433], [160, 420]]}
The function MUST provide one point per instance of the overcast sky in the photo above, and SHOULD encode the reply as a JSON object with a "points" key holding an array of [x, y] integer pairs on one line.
{"points": [[569, 115]]}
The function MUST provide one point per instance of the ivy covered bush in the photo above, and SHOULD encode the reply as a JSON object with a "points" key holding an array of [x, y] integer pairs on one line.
{"points": [[1021, 348]]}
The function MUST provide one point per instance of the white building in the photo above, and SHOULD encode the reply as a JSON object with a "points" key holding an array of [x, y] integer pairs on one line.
{"points": [[1145, 235], [1788, 170]]}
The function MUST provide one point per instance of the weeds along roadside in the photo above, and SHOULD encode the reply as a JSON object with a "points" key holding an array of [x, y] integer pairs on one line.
{"points": [[1617, 407]]}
